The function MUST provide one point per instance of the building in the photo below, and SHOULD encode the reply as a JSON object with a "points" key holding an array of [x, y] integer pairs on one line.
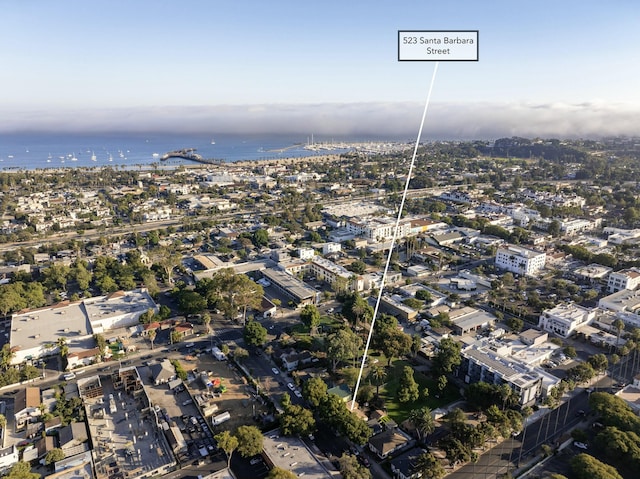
{"points": [[565, 318], [377, 229], [35, 333], [403, 466], [389, 442], [26, 405], [467, 319], [296, 290], [333, 273], [291, 454], [484, 362], [623, 279], [520, 260]]}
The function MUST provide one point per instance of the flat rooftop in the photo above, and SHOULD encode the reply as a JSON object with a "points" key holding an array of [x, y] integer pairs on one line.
{"points": [[36, 327], [117, 304], [127, 439], [291, 454]]}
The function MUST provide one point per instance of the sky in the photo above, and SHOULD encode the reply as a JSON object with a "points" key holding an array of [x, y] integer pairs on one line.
{"points": [[546, 68]]}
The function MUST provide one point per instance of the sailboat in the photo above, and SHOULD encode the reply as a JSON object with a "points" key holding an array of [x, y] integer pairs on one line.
{"points": [[213, 142], [93, 156]]}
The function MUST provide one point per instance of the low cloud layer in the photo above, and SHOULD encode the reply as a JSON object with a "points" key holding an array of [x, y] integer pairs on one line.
{"points": [[444, 120]]}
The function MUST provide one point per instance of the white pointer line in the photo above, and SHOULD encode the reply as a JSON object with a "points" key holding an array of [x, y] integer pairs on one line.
{"points": [[393, 238]]}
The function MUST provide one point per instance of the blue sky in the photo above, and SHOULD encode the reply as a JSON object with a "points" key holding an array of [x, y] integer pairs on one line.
{"points": [[561, 68]]}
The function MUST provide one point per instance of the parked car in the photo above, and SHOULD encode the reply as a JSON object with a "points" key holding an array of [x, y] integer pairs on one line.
{"points": [[580, 445]]}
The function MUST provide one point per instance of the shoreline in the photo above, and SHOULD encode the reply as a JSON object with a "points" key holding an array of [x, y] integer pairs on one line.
{"points": [[195, 165]]}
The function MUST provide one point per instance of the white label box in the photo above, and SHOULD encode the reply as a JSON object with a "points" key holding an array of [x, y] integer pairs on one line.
{"points": [[438, 45]]}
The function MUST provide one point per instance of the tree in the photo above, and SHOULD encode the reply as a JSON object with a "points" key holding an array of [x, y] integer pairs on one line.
{"points": [[314, 391], [151, 334], [53, 456], [6, 356], [377, 377], [342, 345], [260, 238], [599, 362], [101, 343], [297, 421], [585, 466], [245, 294], [428, 466], [63, 348], [408, 390], [250, 441], [350, 468], [22, 470], [277, 473], [166, 259], [442, 383], [310, 316], [175, 337], [448, 356], [619, 325], [191, 302], [206, 321], [240, 354], [227, 443], [254, 334], [422, 421]]}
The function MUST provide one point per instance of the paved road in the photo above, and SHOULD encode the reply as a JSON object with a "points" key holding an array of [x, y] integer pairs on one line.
{"points": [[546, 430]]}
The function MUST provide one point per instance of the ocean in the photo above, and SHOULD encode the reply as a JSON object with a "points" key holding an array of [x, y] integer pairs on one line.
{"points": [[32, 151]]}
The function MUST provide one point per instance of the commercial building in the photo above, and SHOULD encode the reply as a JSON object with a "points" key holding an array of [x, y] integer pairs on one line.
{"points": [[482, 362], [35, 333], [623, 279], [565, 318], [520, 260]]}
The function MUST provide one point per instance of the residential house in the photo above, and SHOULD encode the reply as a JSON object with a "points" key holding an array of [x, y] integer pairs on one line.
{"points": [[388, 442], [72, 436], [83, 358], [403, 466], [293, 359], [26, 405], [162, 372]]}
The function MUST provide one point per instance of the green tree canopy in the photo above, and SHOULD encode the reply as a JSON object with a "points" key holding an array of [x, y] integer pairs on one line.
{"points": [[408, 390], [585, 466], [250, 441], [254, 334], [310, 317]]}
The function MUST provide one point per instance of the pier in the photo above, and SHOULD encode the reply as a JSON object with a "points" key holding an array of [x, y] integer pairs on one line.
{"points": [[188, 154]]}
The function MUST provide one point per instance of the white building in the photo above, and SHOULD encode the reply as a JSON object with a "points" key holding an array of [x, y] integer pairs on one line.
{"points": [[330, 272], [328, 248], [576, 226], [35, 333], [306, 254], [520, 260], [377, 230], [565, 318], [623, 279]]}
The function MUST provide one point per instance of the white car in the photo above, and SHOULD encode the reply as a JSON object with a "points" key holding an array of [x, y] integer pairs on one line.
{"points": [[275, 370], [580, 445], [297, 393], [69, 376], [291, 386]]}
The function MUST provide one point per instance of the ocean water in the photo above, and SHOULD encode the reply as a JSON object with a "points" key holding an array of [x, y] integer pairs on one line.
{"points": [[34, 151]]}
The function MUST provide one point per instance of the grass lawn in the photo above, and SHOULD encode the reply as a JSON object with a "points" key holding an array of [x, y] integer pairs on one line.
{"points": [[400, 411]]}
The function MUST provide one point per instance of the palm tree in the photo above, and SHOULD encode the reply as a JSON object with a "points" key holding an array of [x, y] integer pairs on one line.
{"points": [[619, 325], [151, 334], [377, 376], [3, 425], [422, 421]]}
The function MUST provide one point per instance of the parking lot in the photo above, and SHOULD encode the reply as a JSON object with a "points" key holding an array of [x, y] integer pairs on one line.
{"points": [[180, 405]]}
